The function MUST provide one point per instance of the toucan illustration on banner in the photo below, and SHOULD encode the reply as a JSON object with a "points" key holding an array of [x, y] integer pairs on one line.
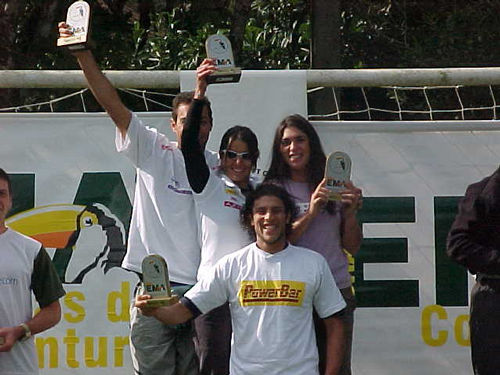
{"points": [[70, 229]]}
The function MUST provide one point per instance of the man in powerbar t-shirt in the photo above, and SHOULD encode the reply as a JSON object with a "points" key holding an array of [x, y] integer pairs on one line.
{"points": [[25, 267], [271, 287]]}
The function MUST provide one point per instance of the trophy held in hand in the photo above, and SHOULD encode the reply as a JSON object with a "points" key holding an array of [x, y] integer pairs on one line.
{"points": [[156, 282], [78, 19], [337, 173], [219, 49]]}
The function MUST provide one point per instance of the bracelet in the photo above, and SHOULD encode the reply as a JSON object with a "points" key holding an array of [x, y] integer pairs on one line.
{"points": [[27, 332]]}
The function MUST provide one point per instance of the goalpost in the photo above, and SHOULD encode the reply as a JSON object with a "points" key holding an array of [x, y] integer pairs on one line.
{"points": [[408, 94], [316, 77]]}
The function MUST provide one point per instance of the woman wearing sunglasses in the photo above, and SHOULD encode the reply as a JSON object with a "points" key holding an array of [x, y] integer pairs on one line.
{"points": [[218, 197], [298, 164]]}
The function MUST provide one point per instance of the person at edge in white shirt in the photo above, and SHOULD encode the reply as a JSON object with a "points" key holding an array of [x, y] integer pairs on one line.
{"points": [[218, 197], [25, 270], [271, 287], [163, 217]]}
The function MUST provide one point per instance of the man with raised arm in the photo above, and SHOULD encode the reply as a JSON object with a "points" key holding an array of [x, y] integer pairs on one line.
{"points": [[272, 287], [163, 217], [25, 267]]}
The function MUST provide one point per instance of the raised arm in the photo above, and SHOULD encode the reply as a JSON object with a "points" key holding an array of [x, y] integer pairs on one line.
{"points": [[194, 158], [101, 87]]}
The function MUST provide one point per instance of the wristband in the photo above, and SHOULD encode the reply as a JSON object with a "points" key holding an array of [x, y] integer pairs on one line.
{"points": [[27, 332]]}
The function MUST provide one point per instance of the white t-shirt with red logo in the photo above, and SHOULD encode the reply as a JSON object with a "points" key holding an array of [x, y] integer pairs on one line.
{"points": [[163, 217], [218, 208], [271, 298]]}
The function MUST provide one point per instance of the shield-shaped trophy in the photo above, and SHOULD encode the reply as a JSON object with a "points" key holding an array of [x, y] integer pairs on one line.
{"points": [[156, 282], [337, 172], [219, 49], [78, 19]]}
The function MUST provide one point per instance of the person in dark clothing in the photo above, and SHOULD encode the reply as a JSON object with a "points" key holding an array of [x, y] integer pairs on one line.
{"points": [[474, 242]]}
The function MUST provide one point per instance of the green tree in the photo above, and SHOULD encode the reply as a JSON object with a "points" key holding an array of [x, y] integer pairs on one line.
{"points": [[266, 34]]}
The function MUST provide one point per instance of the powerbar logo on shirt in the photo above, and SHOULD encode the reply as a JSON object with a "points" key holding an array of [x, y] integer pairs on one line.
{"points": [[274, 292]]}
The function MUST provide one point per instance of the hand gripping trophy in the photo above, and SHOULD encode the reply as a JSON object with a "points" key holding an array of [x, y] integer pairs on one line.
{"points": [[156, 282], [78, 19], [219, 49], [337, 173]]}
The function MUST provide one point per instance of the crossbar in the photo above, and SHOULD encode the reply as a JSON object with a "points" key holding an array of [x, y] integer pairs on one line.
{"points": [[326, 78]]}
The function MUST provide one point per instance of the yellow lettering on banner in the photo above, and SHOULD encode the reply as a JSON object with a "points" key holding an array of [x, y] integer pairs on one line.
{"points": [[77, 309], [461, 327], [51, 342], [120, 343], [87, 349], [462, 331], [426, 323], [102, 352], [71, 340], [123, 297]]}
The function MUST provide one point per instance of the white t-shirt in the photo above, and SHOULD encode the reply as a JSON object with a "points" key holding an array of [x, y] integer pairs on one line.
{"points": [[163, 217], [271, 298], [218, 208], [17, 254]]}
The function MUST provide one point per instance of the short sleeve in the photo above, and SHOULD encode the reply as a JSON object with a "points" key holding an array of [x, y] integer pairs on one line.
{"points": [[138, 144], [45, 281], [327, 299], [210, 291]]}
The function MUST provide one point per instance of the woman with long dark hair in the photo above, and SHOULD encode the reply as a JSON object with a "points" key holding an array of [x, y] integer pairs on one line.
{"points": [[328, 227]]}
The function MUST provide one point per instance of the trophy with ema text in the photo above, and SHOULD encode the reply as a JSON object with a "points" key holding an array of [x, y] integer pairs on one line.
{"points": [[78, 19], [156, 282], [337, 173], [219, 49]]}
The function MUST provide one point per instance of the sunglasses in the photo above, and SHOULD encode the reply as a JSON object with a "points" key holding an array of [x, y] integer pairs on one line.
{"points": [[233, 155]]}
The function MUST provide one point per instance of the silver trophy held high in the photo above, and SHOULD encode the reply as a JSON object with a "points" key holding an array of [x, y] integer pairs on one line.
{"points": [[78, 19], [337, 173], [219, 49], [156, 282]]}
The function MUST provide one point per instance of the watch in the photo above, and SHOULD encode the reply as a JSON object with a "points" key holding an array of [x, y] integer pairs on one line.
{"points": [[27, 332]]}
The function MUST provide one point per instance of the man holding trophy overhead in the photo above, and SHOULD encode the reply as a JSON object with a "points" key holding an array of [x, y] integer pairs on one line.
{"points": [[163, 218]]}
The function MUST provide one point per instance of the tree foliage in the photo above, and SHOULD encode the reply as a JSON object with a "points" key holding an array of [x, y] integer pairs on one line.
{"points": [[420, 33], [154, 34], [276, 35]]}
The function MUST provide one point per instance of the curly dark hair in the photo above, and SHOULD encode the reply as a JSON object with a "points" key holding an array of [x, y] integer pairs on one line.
{"points": [[267, 189]]}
